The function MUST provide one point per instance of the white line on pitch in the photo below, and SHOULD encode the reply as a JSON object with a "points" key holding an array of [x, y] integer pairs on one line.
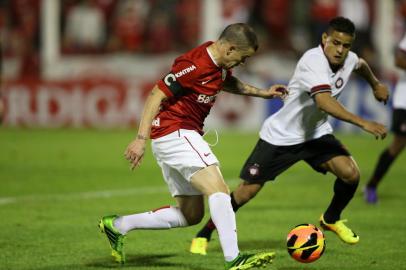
{"points": [[90, 194]]}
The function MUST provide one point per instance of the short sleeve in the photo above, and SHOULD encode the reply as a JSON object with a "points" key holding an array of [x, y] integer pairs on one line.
{"points": [[182, 75], [314, 74]]}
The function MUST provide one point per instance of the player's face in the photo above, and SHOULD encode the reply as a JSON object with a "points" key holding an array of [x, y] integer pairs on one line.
{"points": [[336, 46], [235, 57]]}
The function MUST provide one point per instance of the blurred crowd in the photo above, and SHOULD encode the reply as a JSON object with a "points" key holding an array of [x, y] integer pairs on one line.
{"points": [[161, 26]]}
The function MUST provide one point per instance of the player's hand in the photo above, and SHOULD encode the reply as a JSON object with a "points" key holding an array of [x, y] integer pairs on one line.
{"points": [[381, 93], [277, 90], [135, 152], [378, 130]]}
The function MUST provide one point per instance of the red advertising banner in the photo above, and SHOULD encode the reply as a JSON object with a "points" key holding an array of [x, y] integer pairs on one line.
{"points": [[92, 103], [108, 103]]}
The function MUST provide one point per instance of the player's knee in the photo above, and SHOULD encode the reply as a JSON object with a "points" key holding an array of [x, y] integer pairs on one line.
{"points": [[350, 174], [246, 196], [194, 218], [247, 193]]}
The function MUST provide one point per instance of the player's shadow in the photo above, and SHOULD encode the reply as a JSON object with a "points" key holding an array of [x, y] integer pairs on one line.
{"points": [[143, 260], [300, 267], [132, 261], [260, 244], [135, 260]]}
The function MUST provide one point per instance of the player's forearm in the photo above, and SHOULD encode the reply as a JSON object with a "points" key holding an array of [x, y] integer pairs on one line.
{"points": [[235, 86], [335, 109], [253, 91], [365, 72], [150, 110]]}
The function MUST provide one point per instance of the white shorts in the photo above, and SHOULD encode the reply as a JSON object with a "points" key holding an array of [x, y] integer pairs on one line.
{"points": [[181, 154]]}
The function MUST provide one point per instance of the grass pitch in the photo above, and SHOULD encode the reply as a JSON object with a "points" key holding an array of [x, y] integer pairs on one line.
{"points": [[56, 184]]}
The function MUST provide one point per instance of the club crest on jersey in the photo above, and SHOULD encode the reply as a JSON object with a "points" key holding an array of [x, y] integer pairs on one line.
{"points": [[223, 74], [339, 83]]}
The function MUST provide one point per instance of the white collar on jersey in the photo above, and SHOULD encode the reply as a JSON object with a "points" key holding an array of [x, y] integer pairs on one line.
{"points": [[211, 56]]}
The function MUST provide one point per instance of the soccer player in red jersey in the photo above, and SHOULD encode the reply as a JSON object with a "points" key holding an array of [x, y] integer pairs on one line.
{"points": [[173, 118]]}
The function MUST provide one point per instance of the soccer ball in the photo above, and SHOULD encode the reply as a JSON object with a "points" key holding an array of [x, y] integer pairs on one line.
{"points": [[305, 243]]}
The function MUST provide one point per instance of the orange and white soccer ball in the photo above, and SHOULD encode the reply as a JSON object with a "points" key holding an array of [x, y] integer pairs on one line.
{"points": [[305, 243]]}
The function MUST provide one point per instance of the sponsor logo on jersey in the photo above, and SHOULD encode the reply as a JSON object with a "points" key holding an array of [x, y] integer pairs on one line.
{"points": [[205, 98], [169, 79], [156, 122], [204, 82], [185, 71], [339, 83]]}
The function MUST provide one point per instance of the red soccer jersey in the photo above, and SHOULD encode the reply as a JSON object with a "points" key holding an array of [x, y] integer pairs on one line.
{"points": [[191, 87]]}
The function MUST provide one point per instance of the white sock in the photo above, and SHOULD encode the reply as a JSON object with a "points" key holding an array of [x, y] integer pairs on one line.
{"points": [[223, 217], [163, 218]]}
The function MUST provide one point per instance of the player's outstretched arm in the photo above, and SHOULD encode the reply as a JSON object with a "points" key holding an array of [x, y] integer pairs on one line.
{"points": [[331, 106], [379, 89], [135, 150], [235, 86]]}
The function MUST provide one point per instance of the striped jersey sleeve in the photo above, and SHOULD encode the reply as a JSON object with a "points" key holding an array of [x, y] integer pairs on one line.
{"points": [[314, 71]]}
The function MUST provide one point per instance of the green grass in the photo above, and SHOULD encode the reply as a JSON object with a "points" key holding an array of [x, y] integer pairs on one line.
{"points": [[56, 184]]}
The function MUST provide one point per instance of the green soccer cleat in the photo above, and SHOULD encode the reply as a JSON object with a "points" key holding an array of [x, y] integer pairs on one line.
{"points": [[116, 239], [248, 261], [345, 233], [199, 246]]}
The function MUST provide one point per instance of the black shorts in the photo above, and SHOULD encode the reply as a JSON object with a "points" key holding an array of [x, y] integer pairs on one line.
{"points": [[267, 161], [399, 122]]}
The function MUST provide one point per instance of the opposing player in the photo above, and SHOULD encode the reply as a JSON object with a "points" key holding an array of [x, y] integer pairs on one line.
{"points": [[176, 109], [300, 130], [389, 155]]}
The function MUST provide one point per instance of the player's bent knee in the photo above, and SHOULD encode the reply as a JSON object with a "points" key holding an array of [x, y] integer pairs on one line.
{"points": [[350, 175], [194, 218], [246, 195], [246, 192]]}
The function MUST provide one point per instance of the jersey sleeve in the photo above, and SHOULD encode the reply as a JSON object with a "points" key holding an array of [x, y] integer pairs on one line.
{"points": [[353, 60], [182, 76], [314, 74]]}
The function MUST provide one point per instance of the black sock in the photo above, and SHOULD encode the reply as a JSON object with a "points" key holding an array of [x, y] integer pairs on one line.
{"points": [[343, 194], [384, 162], [209, 227], [234, 203]]}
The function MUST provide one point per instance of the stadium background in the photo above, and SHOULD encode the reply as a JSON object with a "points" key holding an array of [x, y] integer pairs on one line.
{"points": [[74, 78], [89, 63]]}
